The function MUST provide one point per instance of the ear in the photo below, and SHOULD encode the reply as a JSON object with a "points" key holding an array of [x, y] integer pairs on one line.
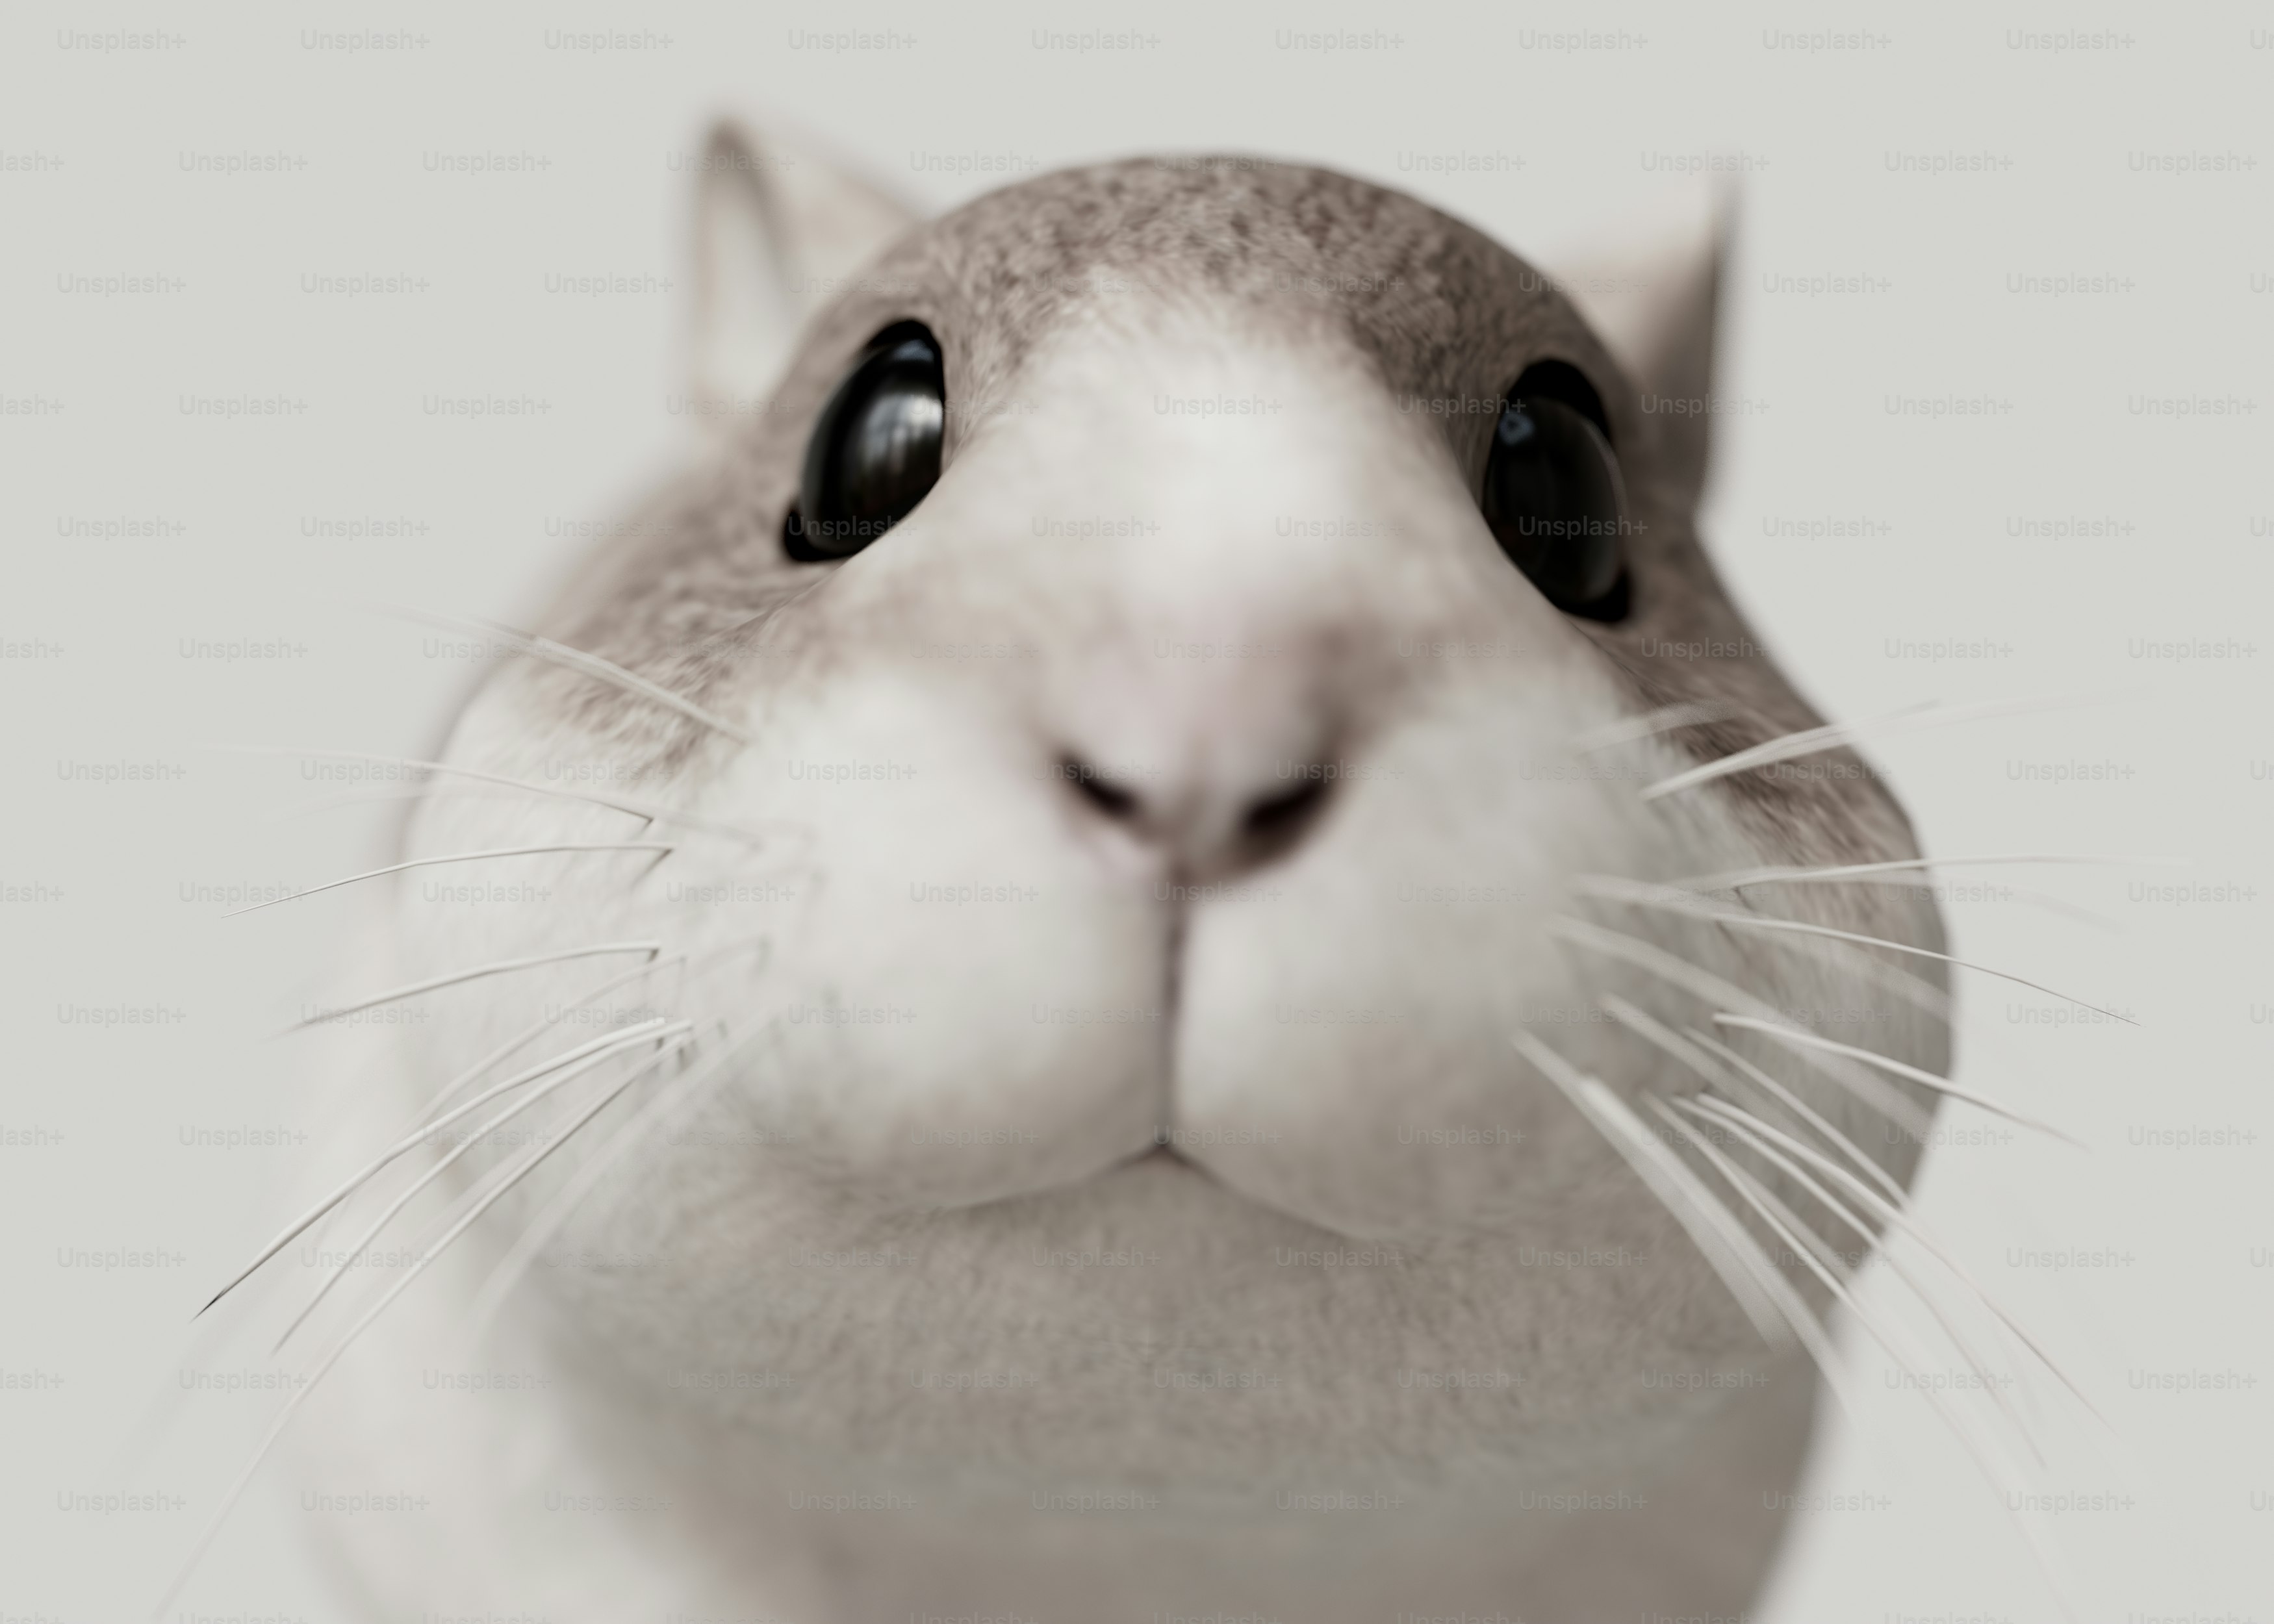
{"points": [[777, 230], [1655, 300]]}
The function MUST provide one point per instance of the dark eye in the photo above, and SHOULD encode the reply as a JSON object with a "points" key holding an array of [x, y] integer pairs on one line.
{"points": [[1552, 492], [875, 451]]}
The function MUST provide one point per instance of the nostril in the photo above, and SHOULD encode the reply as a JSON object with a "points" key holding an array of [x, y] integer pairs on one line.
{"points": [[1206, 828], [1094, 787], [1283, 816]]}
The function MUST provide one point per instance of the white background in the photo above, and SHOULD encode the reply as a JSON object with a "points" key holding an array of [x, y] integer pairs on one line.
{"points": [[1560, 143]]}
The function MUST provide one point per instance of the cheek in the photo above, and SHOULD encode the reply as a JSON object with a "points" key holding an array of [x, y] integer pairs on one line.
{"points": [[1344, 1049], [971, 1009]]}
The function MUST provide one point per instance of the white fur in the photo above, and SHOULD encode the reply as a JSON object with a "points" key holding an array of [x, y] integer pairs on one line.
{"points": [[1328, 1011]]}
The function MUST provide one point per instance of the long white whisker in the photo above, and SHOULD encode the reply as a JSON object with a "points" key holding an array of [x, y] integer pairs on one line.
{"points": [[499, 967], [545, 1023], [647, 810], [1800, 1107], [1923, 881], [458, 857], [1829, 1267], [585, 664], [1714, 992], [593, 1051], [1718, 1063], [1666, 718], [374, 797], [1766, 1295], [1732, 1122], [533, 1097], [1873, 1058], [758, 940], [1813, 740], [1895, 1214], [2000, 1473], [1737, 879], [674, 1099], [537, 1029], [1648, 1025], [1850, 959], [1643, 895], [1712, 1072], [237, 1489]]}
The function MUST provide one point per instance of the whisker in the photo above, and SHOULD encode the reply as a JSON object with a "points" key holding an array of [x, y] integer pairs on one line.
{"points": [[585, 664], [1830, 1268], [1872, 1238], [1917, 876], [1873, 1058], [674, 1099], [537, 1029], [1897, 979], [591, 1053], [1903, 983], [647, 810], [542, 1024], [1666, 718], [1814, 740], [1647, 896], [417, 1267], [1712, 990], [374, 797], [1766, 1297], [1849, 958], [758, 940], [1897, 1215], [1689, 1055], [1649, 1026], [534, 1097], [2007, 892], [1998, 1470], [1707, 1058], [1800, 1107], [458, 857], [501, 968], [1737, 879]]}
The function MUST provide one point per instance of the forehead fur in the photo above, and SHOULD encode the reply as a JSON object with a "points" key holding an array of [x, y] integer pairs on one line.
{"points": [[1413, 289], [1437, 311]]}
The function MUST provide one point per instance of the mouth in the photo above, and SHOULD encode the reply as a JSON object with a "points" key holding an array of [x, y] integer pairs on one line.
{"points": [[1160, 1159], [1163, 1176], [1164, 1153]]}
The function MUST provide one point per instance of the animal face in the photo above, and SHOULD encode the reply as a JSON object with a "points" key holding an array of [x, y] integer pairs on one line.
{"points": [[1157, 804], [1169, 833]]}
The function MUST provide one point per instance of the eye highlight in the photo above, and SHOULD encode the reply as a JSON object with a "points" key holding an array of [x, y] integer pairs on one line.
{"points": [[876, 448], [1553, 495]]}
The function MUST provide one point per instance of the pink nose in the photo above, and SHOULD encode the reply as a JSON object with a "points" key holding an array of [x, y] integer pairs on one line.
{"points": [[1211, 824]]}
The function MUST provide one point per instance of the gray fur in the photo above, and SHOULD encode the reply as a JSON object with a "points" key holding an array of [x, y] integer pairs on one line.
{"points": [[1038, 293]]}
